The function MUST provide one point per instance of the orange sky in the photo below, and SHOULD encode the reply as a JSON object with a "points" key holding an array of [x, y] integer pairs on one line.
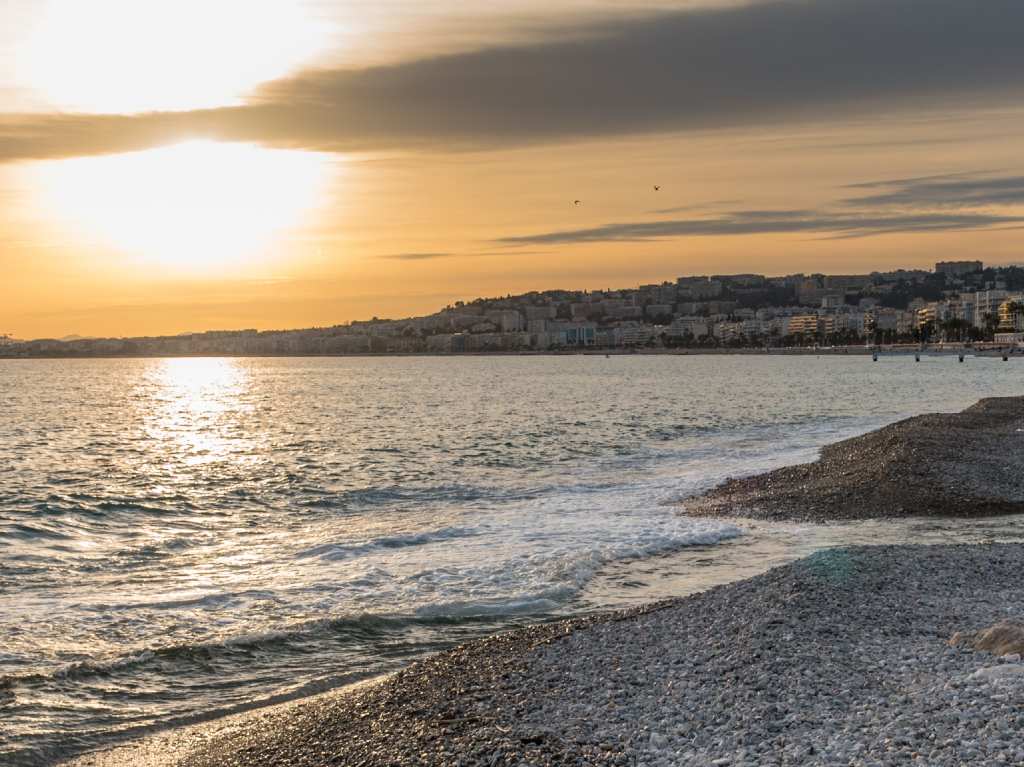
{"points": [[322, 162]]}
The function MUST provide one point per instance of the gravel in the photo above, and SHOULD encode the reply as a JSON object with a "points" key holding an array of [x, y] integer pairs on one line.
{"points": [[842, 658], [960, 464]]}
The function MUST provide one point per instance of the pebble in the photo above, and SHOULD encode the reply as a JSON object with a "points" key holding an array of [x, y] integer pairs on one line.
{"points": [[841, 658], [939, 464]]}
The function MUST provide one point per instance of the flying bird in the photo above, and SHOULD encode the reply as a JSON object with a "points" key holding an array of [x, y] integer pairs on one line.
{"points": [[575, 202], [657, 188]]}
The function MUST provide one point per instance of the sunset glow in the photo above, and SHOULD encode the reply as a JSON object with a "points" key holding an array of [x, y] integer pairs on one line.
{"points": [[297, 163], [547, 382], [198, 207], [131, 56]]}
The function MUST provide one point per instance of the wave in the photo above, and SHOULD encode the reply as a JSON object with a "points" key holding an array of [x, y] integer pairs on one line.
{"points": [[534, 585], [337, 551], [360, 498], [241, 648], [544, 582]]}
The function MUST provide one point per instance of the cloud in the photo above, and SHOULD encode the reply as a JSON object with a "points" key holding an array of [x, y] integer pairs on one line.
{"points": [[432, 256], [415, 256], [696, 206], [964, 190], [762, 62], [842, 225]]}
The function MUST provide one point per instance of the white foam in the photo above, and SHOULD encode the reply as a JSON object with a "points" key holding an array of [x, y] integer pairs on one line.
{"points": [[529, 556]]}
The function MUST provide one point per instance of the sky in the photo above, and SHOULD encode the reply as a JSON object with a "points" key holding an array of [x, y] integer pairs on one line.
{"points": [[171, 167]]}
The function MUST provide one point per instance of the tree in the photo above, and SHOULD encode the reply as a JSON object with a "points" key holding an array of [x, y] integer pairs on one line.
{"points": [[991, 324]]}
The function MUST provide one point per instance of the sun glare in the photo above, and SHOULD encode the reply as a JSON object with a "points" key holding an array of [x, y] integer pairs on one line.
{"points": [[132, 55], [196, 207]]}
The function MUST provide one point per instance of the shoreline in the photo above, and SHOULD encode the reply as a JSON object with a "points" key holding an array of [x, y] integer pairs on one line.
{"points": [[528, 695], [980, 349], [966, 464], [842, 657], [159, 746]]}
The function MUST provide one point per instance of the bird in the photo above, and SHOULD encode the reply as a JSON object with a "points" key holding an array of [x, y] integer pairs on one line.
{"points": [[657, 188], [576, 202]]}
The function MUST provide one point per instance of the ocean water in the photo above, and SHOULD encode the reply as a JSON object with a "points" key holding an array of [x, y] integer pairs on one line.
{"points": [[185, 538]]}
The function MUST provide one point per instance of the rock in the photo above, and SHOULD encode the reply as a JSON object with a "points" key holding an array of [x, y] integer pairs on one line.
{"points": [[1004, 638], [1005, 673]]}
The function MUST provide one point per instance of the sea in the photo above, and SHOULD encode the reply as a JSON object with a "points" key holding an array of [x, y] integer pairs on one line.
{"points": [[185, 538]]}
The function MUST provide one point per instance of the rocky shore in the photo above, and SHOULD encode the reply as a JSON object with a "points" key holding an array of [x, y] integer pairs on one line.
{"points": [[961, 464], [843, 658]]}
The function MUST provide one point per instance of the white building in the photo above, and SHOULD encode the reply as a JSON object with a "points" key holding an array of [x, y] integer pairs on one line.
{"points": [[683, 326], [987, 302]]}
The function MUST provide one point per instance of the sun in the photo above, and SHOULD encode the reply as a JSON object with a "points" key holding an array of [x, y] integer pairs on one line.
{"points": [[196, 208], [141, 55]]}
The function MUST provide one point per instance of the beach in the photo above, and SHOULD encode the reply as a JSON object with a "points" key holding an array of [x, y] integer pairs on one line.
{"points": [[941, 464], [840, 658], [844, 657]]}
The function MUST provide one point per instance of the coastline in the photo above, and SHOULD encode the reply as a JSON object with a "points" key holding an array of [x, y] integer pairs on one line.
{"points": [[891, 350], [940, 464], [166, 747], [745, 673], [839, 658]]}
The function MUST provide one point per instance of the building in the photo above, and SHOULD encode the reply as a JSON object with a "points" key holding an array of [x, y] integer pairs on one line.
{"points": [[802, 325], [583, 311], [742, 280], [855, 323], [958, 268], [1015, 339], [1011, 314], [810, 292], [681, 327], [637, 335], [573, 333], [986, 305], [506, 320], [932, 315], [699, 287], [846, 281], [906, 323], [882, 319], [658, 310], [546, 312]]}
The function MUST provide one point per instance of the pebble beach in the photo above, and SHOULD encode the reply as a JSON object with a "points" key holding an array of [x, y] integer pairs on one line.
{"points": [[966, 464], [858, 656], [843, 658]]}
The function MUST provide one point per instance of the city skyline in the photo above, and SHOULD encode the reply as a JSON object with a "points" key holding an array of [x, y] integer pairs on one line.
{"points": [[958, 301], [347, 160]]}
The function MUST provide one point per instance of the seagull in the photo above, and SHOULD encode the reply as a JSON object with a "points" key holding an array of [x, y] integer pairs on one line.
{"points": [[575, 202], [657, 188]]}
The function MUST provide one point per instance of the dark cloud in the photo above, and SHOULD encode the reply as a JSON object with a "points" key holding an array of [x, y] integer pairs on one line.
{"points": [[767, 61], [965, 190], [771, 222]]}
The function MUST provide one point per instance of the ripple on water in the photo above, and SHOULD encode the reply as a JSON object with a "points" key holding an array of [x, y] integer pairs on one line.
{"points": [[186, 536]]}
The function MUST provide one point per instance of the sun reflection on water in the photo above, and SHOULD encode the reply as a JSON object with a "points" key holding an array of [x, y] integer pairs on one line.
{"points": [[202, 405]]}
